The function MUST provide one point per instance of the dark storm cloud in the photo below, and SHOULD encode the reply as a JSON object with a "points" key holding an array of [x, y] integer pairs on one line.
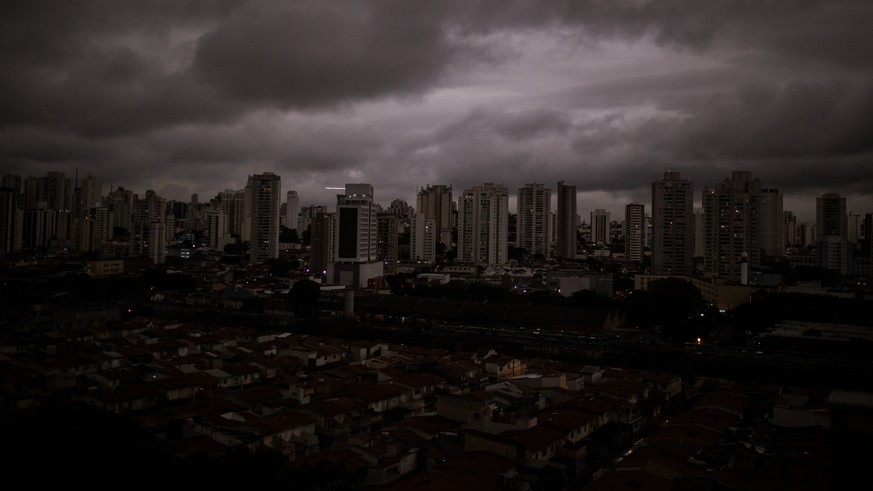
{"points": [[456, 92], [307, 54]]}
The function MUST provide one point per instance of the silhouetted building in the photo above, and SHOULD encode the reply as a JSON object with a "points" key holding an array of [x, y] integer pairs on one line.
{"points": [[565, 221], [672, 225], [533, 219], [635, 231], [262, 216]]}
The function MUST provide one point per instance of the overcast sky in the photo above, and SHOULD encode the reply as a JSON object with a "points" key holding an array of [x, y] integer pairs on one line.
{"points": [[190, 97]]}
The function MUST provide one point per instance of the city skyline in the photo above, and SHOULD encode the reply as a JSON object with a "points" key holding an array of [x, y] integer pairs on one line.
{"points": [[191, 99]]}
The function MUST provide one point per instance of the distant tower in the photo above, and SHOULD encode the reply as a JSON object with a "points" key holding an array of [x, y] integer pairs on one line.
{"points": [[672, 225], [533, 219], [732, 233], [262, 216], [483, 229], [830, 215], [356, 258], [792, 233], [771, 223], [431, 222], [600, 227], [566, 221], [10, 221], [635, 232], [388, 244], [322, 241], [292, 209]]}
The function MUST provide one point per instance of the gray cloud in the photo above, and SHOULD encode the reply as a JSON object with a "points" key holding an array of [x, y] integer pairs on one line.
{"points": [[405, 94]]}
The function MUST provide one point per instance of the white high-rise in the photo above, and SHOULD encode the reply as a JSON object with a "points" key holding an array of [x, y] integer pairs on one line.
{"points": [[356, 245]]}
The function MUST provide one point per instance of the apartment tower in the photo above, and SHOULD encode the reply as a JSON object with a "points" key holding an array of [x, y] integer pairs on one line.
{"points": [[533, 219], [672, 225], [565, 221]]}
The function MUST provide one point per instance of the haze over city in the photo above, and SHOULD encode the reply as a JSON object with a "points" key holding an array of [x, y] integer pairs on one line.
{"points": [[192, 97]]}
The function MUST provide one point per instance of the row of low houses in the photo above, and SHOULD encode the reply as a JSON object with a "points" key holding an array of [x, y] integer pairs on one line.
{"points": [[386, 412]]}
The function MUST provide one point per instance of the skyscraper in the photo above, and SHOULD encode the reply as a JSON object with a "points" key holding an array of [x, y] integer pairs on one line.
{"points": [[356, 256], [565, 221], [431, 222], [292, 209], [600, 227], [792, 232], [634, 232], [483, 231], [533, 219], [830, 216], [388, 243], [262, 216], [10, 221], [732, 231], [672, 225], [771, 223], [323, 241]]}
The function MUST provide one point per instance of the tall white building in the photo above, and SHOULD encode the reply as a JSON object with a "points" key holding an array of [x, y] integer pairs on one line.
{"points": [[533, 219], [483, 231], [356, 258], [262, 216]]}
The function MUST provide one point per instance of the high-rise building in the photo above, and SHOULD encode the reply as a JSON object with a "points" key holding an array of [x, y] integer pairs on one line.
{"points": [[732, 233], [867, 243], [292, 209], [771, 223], [10, 221], [853, 229], [435, 203], [262, 216], [217, 234], [600, 227], [699, 224], [423, 238], [792, 232], [483, 228], [566, 221], [322, 242], [830, 216], [634, 232], [388, 245], [533, 219], [356, 253], [672, 225]]}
